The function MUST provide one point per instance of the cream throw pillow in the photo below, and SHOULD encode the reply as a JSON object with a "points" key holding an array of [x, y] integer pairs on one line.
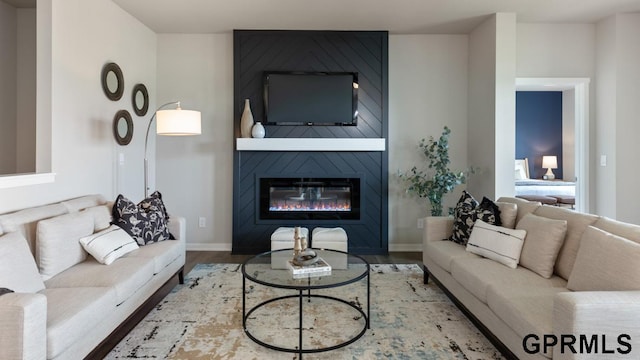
{"points": [[109, 244], [496, 243], [544, 240], [605, 262], [18, 270], [508, 214]]}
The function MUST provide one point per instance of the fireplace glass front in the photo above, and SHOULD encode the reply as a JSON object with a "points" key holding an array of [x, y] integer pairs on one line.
{"points": [[310, 198]]}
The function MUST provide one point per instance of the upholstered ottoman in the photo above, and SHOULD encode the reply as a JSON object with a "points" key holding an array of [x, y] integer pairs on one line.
{"points": [[333, 239], [282, 238]]}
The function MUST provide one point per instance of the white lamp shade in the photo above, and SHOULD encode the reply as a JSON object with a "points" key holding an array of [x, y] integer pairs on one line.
{"points": [[549, 162], [178, 122]]}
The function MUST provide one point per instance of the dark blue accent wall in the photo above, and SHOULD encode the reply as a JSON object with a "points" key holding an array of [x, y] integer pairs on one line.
{"points": [[362, 52], [539, 129]]}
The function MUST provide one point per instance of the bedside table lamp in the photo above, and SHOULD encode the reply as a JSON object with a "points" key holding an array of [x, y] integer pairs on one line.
{"points": [[549, 162], [176, 122]]}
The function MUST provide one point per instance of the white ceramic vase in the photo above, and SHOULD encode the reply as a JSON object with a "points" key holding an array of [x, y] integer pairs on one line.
{"points": [[246, 121], [258, 130]]}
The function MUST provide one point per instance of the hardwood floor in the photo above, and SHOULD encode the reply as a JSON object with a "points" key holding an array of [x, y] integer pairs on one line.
{"points": [[220, 257]]}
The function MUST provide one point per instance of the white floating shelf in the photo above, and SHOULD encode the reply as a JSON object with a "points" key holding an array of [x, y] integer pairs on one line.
{"points": [[310, 144]]}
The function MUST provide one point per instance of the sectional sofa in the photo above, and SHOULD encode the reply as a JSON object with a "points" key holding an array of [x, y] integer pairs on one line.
{"points": [[587, 304], [66, 305]]}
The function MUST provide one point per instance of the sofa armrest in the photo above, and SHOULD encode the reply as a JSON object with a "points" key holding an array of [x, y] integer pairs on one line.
{"points": [[23, 326], [613, 317], [437, 228], [178, 227]]}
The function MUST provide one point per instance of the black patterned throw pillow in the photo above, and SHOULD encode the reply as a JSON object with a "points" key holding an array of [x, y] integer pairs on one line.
{"points": [[5, 291], [464, 216], [488, 212], [146, 222], [467, 211]]}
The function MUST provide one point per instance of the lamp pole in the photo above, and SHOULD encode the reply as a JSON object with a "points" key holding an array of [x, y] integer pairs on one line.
{"points": [[146, 141]]}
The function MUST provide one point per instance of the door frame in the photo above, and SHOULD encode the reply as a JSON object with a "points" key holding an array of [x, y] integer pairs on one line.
{"points": [[581, 111]]}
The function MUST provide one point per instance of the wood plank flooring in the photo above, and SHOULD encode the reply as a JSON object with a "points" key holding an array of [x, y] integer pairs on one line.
{"points": [[220, 257]]}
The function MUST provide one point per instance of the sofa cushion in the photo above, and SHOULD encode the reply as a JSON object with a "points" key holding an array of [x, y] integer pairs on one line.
{"points": [[508, 214], [496, 243], [622, 229], [524, 309], [25, 221], [577, 223], [18, 269], [57, 242], [109, 244], [524, 206], [73, 312], [162, 253], [146, 222], [544, 238], [101, 216], [476, 275], [83, 202], [443, 252], [605, 262], [126, 276]]}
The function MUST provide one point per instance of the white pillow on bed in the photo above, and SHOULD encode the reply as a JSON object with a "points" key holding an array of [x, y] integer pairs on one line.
{"points": [[520, 174]]}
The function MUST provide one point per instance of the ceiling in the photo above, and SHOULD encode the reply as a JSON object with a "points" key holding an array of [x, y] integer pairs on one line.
{"points": [[396, 16]]}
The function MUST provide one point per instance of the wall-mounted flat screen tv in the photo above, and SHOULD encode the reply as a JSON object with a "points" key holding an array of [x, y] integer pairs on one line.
{"points": [[310, 98]]}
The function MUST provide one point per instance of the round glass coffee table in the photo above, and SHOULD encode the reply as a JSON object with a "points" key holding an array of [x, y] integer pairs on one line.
{"points": [[271, 270]]}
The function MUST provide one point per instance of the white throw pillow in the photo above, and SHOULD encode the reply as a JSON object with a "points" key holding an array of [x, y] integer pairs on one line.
{"points": [[18, 270], [496, 243], [109, 244]]}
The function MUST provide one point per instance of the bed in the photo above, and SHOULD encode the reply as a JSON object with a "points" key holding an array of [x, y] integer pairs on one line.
{"points": [[527, 186]]}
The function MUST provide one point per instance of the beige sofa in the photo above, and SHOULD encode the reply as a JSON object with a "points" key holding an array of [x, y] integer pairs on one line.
{"points": [[513, 307], [85, 307]]}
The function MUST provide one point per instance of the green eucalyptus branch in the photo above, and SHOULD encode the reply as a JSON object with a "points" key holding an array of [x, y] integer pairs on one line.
{"points": [[437, 180]]}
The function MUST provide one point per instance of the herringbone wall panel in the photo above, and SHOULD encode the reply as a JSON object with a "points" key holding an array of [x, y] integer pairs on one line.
{"points": [[330, 51]]}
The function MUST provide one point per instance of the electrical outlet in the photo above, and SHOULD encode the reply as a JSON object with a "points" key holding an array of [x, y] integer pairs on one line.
{"points": [[420, 223], [202, 222]]}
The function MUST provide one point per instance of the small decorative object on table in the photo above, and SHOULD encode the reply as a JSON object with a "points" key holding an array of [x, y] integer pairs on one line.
{"points": [[316, 269], [257, 131], [306, 261]]}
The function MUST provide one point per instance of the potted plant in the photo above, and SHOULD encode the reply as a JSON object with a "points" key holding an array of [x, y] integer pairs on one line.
{"points": [[437, 180]]}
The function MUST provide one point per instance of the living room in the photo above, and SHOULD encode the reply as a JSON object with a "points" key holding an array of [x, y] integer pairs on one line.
{"points": [[445, 73]]}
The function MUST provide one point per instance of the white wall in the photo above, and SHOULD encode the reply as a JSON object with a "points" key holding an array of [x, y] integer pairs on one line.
{"points": [[627, 125], [505, 100], [427, 84], [83, 149], [26, 92], [618, 76], [482, 106], [195, 174], [8, 82]]}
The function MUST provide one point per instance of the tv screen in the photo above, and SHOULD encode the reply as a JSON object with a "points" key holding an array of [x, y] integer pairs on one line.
{"points": [[311, 98]]}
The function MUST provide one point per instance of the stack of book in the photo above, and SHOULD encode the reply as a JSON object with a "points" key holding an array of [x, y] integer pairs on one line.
{"points": [[317, 269]]}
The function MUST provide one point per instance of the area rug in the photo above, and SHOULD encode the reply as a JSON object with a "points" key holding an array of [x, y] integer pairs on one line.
{"points": [[202, 319]]}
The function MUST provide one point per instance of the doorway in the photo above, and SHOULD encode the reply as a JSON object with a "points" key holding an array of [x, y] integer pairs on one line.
{"points": [[576, 90]]}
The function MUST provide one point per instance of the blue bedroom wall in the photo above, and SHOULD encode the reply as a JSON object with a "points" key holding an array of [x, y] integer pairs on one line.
{"points": [[539, 129]]}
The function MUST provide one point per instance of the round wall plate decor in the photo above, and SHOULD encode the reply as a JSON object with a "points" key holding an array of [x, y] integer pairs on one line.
{"points": [[123, 127], [140, 100], [112, 81]]}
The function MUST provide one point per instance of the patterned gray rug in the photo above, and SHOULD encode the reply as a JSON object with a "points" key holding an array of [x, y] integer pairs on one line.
{"points": [[202, 319]]}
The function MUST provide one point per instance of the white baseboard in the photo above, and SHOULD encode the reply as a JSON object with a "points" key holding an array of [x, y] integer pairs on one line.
{"points": [[227, 247], [208, 247], [405, 247]]}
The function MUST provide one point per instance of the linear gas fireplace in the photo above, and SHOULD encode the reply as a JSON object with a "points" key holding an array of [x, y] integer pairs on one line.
{"points": [[309, 198]]}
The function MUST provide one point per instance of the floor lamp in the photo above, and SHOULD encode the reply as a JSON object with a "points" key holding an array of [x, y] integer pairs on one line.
{"points": [[171, 122]]}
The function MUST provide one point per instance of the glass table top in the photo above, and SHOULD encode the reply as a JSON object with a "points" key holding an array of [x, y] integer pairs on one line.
{"points": [[271, 269]]}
